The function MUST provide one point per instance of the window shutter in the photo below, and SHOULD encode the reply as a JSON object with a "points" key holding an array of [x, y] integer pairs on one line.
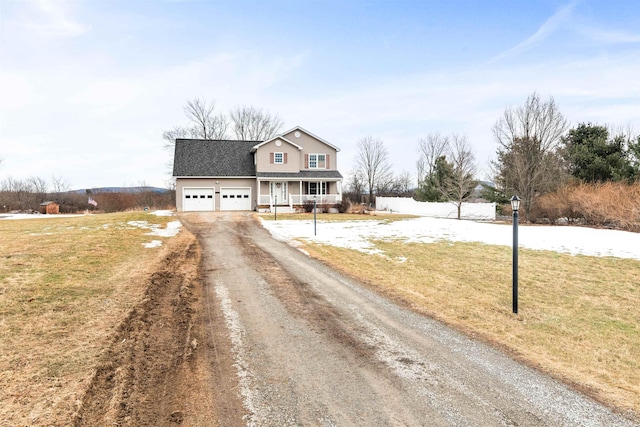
{"points": [[271, 158], [306, 161], [285, 158], [327, 162]]}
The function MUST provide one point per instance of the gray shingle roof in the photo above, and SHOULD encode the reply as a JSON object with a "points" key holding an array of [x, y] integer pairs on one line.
{"points": [[217, 158], [305, 174], [198, 157]]}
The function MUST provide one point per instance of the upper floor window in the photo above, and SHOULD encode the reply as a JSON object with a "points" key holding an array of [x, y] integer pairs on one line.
{"points": [[317, 161], [278, 158]]}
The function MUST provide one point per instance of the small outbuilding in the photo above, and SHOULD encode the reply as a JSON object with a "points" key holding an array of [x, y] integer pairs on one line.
{"points": [[49, 208]]}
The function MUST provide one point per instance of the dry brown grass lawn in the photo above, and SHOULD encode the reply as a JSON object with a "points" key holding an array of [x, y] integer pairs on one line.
{"points": [[65, 284], [578, 315]]}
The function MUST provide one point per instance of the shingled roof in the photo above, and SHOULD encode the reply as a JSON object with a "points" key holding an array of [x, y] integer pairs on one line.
{"points": [[303, 174], [215, 158]]}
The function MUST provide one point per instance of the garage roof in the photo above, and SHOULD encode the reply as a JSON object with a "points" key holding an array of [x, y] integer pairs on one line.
{"points": [[199, 157]]}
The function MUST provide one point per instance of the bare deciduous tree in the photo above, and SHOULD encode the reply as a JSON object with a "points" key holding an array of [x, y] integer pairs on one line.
{"points": [[449, 169], [529, 172], [37, 185], [528, 137], [170, 136], [430, 149], [373, 163], [460, 185], [253, 124], [535, 120], [404, 183], [22, 194], [59, 184], [204, 123], [356, 186]]}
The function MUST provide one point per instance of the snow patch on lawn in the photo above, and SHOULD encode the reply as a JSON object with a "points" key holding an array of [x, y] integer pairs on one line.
{"points": [[153, 244], [361, 235], [162, 213], [171, 230]]}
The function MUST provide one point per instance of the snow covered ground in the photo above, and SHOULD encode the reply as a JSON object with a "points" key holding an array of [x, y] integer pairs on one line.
{"points": [[172, 228], [360, 234], [35, 216]]}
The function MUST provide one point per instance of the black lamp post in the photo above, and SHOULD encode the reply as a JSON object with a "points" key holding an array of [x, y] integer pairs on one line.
{"points": [[515, 206]]}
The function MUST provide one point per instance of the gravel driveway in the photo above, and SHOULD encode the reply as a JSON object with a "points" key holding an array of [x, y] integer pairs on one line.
{"points": [[311, 347]]}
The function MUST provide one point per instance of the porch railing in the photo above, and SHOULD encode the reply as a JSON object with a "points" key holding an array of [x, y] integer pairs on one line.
{"points": [[321, 199], [300, 199], [265, 199]]}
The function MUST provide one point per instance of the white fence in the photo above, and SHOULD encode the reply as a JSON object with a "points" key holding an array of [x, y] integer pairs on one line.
{"points": [[406, 205]]}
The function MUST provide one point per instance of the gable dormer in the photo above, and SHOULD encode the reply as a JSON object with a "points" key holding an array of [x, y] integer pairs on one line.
{"points": [[317, 154], [277, 154]]}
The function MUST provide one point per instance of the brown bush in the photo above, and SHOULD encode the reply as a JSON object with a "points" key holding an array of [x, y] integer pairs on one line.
{"points": [[123, 201], [610, 204]]}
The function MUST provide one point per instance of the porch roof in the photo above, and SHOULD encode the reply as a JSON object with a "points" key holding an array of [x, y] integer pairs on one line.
{"points": [[305, 174]]}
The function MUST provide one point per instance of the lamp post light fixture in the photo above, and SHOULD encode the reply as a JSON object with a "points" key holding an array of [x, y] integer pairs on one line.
{"points": [[515, 207]]}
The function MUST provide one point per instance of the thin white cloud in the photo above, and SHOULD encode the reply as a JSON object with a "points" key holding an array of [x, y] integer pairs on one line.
{"points": [[609, 37], [549, 27], [52, 19]]}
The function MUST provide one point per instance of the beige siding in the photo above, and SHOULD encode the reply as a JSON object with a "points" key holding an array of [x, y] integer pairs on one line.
{"points": [[264, 187], [263, 157], [216, 184], [294, 187], [311, 145]]}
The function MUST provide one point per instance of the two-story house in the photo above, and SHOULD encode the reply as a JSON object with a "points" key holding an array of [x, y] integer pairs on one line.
{"points": [[286, 171]]}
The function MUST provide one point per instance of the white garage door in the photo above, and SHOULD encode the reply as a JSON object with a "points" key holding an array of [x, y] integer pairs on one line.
{"points": [[235, 199], [198, 199]]}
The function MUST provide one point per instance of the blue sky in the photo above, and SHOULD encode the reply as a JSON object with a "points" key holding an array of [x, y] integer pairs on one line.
{"points": [[87, 87]]}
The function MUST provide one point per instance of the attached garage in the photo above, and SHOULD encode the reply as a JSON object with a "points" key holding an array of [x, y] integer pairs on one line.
{"points": [[198, 199], [235, 199]]}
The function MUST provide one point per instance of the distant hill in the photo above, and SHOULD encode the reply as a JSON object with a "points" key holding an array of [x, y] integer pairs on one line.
{"points": [[142, 189]]}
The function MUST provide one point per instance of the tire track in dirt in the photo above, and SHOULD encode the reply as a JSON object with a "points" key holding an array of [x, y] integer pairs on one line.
{"points": [[301, 301], [158, 370]]}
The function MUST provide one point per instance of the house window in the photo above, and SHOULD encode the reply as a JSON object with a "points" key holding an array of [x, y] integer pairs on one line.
{"points": [[317, 188], [317, 161], [278, 158]]}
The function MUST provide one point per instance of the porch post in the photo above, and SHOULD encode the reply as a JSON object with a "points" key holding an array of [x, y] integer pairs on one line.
{"points": [[258, 192]]}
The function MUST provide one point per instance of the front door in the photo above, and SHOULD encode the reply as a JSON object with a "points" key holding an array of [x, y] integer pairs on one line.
{"points": [[279, 190]]}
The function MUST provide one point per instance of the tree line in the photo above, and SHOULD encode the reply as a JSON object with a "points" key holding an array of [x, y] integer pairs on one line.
{"points": [[537, 154], [26, 195]]}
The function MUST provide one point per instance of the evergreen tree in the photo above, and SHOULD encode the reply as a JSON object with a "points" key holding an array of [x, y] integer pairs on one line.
{"points": [[592, 156], [431, 187]]}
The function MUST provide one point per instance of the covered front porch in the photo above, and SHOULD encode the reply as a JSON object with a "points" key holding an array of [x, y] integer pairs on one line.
{"points": [[284, 191]]}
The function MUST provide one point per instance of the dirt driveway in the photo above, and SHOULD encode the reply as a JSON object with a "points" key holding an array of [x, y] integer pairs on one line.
{"points": [[310, 347]]}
